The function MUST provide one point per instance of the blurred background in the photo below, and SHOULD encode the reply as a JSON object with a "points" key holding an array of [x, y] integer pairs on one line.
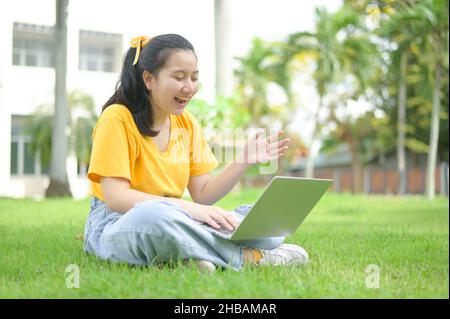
{"points": [[360, 87]]}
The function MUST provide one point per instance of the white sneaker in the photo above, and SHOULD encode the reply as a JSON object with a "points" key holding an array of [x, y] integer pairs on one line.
{"points": [[203, 266], [285, 254]]}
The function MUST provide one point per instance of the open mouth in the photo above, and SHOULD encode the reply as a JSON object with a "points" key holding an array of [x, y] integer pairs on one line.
{"points": [[181, 101]]}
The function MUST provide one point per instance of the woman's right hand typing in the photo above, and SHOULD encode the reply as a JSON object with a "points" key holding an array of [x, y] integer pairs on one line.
{"points": [[215, 217]]}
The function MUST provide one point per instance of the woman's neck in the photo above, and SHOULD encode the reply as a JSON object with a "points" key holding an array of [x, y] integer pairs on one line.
{"points": [[159, 119]]}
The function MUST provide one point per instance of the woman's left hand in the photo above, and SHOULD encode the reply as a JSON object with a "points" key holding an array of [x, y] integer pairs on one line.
{"points": [[263, 149]]}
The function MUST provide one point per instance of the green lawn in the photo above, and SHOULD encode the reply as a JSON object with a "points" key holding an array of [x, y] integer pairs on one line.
{"points": [[406, 238]]}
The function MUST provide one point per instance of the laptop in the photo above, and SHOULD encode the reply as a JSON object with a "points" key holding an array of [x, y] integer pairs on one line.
{"points": [[279, 210]]}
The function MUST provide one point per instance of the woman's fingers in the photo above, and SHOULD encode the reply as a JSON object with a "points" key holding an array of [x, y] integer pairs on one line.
{"points": [[280, 144], [230, 219], [276, 155], [266, 147], [211, 222], [276, 145], [280, 150], [274, 137], [279, 147], [222, 221]]}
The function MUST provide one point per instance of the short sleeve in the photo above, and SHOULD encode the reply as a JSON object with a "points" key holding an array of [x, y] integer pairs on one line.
{"points": [[110, 151], [202, 159]]}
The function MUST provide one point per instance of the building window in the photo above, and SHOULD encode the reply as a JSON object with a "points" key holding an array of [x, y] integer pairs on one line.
{"points": [[29, 165], [14, 158], [100, 51], [33, 45], [22, 160]]}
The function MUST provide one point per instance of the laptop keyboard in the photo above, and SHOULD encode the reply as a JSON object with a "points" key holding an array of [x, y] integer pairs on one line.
{"points": [[225, 231]]}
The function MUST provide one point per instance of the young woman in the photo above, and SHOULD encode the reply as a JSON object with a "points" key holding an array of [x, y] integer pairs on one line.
{"points": [[147, 148]]}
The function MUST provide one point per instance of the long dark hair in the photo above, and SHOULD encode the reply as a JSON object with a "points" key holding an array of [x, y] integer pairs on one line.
{"points": [[131, 90]]}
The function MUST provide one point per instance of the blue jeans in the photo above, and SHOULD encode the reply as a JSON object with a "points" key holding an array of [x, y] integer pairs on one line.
{"points": [[160, 231]]}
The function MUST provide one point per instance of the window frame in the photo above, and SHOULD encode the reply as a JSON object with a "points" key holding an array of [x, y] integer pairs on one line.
{"points": [[33, 41]]}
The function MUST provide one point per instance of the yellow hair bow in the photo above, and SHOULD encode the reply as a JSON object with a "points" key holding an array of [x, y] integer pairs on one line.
{"points": [[138, 43]]}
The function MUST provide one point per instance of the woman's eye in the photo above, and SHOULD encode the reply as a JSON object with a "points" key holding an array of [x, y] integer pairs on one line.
{"points": [[181, 78]]}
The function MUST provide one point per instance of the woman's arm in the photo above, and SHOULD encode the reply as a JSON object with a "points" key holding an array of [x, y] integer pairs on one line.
{"points": [[207, 191], [119, 197]]}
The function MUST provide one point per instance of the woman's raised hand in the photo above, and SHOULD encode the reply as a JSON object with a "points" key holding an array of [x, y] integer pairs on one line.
{"points": [[263, 149]]}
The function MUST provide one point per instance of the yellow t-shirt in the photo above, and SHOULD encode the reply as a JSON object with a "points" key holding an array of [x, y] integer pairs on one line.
{"points": [[119, 150]]}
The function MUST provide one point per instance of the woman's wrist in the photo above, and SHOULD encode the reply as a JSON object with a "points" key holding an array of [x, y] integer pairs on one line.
{"points": [[242, 160], [186, 205]]}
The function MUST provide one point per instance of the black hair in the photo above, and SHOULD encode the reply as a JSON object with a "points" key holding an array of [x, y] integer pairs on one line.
{"points": [[130, 89]]}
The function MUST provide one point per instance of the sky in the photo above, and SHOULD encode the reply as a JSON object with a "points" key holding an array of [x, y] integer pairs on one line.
{"points": [[272, 19]]}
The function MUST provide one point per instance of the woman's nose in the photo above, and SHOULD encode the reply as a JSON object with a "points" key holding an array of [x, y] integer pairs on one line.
{"points": [[190, 87]]}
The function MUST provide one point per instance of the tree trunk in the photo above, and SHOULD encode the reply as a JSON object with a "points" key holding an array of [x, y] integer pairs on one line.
{"points": [[401, 125], [434, 136], [316, 130], [59, 185], [357, 169], [224, 73]]}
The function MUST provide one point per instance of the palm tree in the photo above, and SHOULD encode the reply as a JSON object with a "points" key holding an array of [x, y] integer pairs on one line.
{"points": [[59, 184], [262, 66], [82, 119], [358, 60], [426, 24], [433, 21], [326, 46], [358, 134], [395, 30]]}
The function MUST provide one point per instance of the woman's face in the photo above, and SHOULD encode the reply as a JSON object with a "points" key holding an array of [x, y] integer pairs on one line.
{"points": [[175, 84]]}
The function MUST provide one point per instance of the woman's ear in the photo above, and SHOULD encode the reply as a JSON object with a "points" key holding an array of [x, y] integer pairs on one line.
{"points": [[147, 77]]}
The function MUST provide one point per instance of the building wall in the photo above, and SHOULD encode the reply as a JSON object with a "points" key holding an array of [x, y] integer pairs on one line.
{"points": [[382, 180], [380, 175], [5, 117]]}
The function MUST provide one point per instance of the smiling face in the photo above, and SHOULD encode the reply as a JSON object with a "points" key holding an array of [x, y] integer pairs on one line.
{"points": [[175, 83]]}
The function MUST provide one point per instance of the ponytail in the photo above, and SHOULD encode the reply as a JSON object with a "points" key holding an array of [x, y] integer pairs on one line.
{"points": [[131, 91]]}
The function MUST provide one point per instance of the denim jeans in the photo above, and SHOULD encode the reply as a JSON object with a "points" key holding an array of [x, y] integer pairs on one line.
{"points": [[160, 231]]}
